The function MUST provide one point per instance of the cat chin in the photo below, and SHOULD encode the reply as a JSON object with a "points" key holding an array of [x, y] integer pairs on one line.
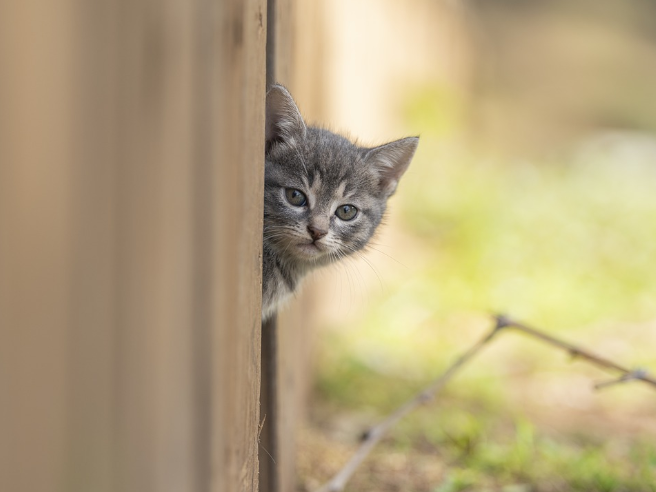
{"points": [[310, 251]]}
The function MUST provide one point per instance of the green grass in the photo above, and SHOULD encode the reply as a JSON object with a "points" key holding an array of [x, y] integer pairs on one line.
{"points": [[568, 244]]}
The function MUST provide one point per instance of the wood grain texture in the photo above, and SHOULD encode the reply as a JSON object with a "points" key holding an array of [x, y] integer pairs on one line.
{"points": [[237, 226], [131, 170]]}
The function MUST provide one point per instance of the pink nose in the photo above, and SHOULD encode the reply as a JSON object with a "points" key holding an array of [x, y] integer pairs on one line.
{"points": [[316, 233]]}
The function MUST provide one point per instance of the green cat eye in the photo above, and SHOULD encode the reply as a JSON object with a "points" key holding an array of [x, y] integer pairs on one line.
{"points": [[346, 212], [295, 197]]}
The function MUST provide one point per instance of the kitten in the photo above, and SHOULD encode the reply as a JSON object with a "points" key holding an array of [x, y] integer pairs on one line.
{"points": [[323, 196]]}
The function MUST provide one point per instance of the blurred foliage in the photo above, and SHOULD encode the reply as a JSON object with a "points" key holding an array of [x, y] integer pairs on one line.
{"points": [[568, 245], [563, 238], [544, 237]]}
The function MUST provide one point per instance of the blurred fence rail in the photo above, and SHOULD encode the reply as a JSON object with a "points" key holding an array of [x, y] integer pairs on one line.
{"points": [[131, 144]]}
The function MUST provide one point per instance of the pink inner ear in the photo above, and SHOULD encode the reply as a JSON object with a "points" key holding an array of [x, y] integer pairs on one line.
{"points": [[391, 161], [388, 186], [283, 119]]}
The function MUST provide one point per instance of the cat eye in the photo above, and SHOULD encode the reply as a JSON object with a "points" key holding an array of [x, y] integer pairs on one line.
{"points": [[295, 197], [346, 212]]}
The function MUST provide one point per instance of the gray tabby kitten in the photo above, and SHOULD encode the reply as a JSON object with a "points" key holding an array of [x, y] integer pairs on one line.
{"points": [[323, 196]]}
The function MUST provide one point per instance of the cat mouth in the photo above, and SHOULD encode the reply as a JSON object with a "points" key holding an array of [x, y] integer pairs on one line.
{"points": [[311, 250]]}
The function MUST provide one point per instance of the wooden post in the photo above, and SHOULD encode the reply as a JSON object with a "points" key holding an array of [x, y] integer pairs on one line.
{"points": [[131, 143]]}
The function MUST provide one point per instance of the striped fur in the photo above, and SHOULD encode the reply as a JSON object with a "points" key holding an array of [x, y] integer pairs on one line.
{"points": [[331, 172]]}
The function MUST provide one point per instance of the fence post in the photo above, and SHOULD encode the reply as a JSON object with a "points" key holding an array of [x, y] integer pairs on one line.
{"points": [[131, 170]]}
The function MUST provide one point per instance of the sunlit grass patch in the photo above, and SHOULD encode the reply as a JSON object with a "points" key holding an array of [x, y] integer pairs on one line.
{"points": [[567, 243], [485, 449]]}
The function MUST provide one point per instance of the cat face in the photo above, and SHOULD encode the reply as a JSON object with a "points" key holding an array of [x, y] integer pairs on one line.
{"points": [[324, 196]]}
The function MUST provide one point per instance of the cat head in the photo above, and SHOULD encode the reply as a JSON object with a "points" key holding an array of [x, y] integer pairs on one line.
{"points": [[324, 195]]}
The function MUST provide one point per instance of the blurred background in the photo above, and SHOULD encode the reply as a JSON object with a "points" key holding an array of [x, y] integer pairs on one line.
{"points": [[131, 144], [532, 194]]}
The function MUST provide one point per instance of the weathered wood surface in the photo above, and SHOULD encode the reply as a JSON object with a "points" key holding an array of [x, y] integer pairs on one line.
{"points": [[131, 143]]}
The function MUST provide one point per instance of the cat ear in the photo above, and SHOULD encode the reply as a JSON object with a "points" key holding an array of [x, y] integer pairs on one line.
{"points": [[391, 161], [284, 122]]}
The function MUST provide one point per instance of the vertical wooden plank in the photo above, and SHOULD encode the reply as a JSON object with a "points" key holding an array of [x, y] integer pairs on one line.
{"points": [[155, 447], [91, 341], [269, 408], [269, 431], [131, 144], [237, 177], [35, 170], [192, 108]]}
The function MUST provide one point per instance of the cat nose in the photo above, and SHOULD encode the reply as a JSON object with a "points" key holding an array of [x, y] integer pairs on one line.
{"points": [[316, 233]]}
